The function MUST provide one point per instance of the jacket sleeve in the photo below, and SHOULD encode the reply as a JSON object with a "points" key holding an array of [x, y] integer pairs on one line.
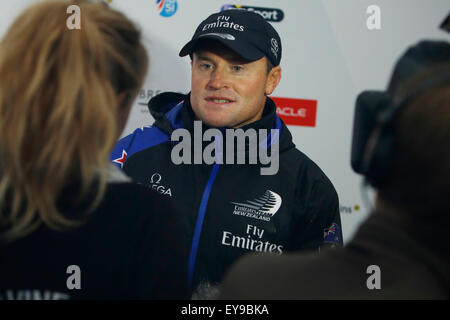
{"points": [[317, 218], [141, 139]]}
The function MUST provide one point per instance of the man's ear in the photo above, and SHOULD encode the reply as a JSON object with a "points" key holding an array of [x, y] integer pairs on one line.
{"points": [[273, 79]]}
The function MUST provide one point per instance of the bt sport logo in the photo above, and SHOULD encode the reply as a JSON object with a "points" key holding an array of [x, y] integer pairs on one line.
{"points": [[269, 14]]}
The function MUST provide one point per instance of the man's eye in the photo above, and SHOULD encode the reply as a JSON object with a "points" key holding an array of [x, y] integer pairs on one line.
{"points": [[237, 68], [205, 66]]}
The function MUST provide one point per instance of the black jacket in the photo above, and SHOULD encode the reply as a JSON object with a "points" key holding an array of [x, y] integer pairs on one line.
{"points": [[231, 209]]}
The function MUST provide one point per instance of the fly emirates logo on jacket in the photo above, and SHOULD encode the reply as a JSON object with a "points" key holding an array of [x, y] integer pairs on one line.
{"points": [[262, 208], [252, 240]]}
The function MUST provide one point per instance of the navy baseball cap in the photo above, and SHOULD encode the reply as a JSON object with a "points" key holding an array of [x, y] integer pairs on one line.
{"points": [[244, 32]]}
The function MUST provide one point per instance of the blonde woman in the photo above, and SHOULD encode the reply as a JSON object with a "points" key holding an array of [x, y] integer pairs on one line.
{"points": [[70, 226]]}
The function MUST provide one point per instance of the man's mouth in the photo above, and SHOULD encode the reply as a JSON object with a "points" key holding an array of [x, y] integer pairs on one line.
{"points": [[219, 100]]}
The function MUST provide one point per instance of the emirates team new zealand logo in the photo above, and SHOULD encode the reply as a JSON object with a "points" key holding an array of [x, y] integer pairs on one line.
{"points": [[262, 208]]}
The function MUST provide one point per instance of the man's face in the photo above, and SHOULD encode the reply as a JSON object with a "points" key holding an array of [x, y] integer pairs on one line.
{"points": [[228, 91]]}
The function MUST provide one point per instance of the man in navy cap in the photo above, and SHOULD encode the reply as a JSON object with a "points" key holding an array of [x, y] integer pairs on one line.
{"points": [[232, 206]]}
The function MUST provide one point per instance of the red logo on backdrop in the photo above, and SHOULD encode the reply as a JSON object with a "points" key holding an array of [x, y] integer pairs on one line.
{"points": [[297, 112]]}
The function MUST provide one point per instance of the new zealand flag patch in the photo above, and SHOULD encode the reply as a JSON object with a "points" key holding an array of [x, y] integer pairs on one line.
{"points": [[332, 234]]}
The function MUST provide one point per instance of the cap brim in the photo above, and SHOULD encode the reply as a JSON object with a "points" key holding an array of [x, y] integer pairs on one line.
{"points": [[241, 48]]}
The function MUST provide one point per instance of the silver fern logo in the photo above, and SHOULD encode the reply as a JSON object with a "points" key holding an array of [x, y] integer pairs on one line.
{"points": [[262, 208]]}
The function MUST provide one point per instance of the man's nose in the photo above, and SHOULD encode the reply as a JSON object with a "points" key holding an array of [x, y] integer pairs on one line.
{"points": [[218, 79]]}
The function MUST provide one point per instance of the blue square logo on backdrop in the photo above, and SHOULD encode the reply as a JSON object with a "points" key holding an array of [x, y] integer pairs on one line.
{"points": [[167, 8]]}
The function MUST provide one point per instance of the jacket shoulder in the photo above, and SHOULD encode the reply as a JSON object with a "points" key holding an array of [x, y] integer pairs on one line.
{"points": [[307, 168], [141, 139]]}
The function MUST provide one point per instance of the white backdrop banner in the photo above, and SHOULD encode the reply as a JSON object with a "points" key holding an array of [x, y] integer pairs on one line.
{"points": [[332, 50]]}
